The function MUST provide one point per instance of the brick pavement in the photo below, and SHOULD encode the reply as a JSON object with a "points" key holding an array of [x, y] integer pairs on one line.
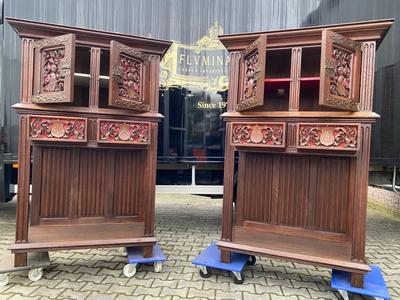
{"points": [[185, 225]]}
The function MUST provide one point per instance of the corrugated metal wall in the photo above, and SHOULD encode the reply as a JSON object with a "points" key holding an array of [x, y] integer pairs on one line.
{"points": [[188, 20]]}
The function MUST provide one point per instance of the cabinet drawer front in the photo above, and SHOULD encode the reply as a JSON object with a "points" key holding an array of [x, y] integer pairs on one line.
{"points": [[57, 129], [328, 136], [259, 134], [123, 132]]}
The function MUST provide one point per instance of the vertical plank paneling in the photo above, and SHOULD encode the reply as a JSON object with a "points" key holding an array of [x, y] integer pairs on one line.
{"points": [[55, 190], [299, 191], [92, 183], [128, 183]]}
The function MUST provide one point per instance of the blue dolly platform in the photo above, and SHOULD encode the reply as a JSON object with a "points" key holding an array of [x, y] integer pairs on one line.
{"points": [[135, 257], [374, 284], [210, 258]]}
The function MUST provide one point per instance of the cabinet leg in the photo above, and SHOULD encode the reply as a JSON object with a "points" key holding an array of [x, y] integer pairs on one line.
{"points": [[357, 280], [20, 259], [225, 256], [148, 251]]}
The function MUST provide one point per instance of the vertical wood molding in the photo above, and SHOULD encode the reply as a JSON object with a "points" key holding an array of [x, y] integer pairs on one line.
{"points": [[22, 213], [74, 185], [229, 170], [26, 70], [110, 189], [275, 190], [95, 54], [36, 185], [154, 82], [240, 188], [233, 80], [295, 74], [151, 185], [360, 200], [367, 75]]}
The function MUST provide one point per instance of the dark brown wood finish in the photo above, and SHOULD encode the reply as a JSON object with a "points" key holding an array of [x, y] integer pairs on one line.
{"points": [[93, 167], [302, 175]]}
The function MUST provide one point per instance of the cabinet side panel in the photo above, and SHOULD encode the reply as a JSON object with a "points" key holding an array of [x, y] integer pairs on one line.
{"points": [[130, 171], [92, 183], [55, 188]]}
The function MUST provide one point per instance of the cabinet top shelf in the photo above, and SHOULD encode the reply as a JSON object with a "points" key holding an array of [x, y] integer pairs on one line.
{"points": [[359, 31], [85, 36], [302, 114]]}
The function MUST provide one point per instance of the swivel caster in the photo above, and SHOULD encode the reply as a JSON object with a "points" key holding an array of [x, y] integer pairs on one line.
{"points": [[344, 294], [130, 270], [35, 274], [122, 251], [238, 277], [252, 260], [205, 272], [4, 279], [158, 266]]}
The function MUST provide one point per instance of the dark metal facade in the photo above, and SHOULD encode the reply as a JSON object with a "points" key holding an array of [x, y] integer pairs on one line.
{"points": [[188, 20]]}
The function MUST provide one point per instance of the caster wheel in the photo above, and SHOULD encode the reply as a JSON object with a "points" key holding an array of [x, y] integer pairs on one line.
{"points": [[158, 266], [252, 260], [238, 277], [4, 279], [205, 272], [122, 251], [130, 270], [35, 274]]}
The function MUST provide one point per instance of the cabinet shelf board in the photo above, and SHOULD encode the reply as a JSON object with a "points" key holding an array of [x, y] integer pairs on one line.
{"points": [[81, 236], [296, 248]]}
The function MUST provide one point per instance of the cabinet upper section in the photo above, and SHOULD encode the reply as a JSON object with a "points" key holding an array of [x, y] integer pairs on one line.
{"points": [[88, 68], [323, 68]]}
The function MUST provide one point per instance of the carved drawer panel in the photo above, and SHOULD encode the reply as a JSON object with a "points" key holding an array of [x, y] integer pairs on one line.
{"points": [[123, 132], [328, 136], [57, 129], [259, 134]]}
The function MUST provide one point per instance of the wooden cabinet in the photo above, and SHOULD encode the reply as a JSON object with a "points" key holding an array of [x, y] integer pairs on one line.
{"points": [[298, 131], [88, 121]]}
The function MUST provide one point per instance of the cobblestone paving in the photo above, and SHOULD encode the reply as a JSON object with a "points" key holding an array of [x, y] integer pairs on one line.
{"points": [[185, 225]]}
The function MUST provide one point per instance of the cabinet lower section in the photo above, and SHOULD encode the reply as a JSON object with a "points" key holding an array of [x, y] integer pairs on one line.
{"points": [[77, 236], [298, 207]]}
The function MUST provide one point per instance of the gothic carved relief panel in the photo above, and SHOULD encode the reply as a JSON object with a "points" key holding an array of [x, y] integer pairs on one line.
{"points": [[260, 134], [253, 74], [42, 128], [54, 69], [328, 136], [340, 71], [128, 82], [123, 132]]}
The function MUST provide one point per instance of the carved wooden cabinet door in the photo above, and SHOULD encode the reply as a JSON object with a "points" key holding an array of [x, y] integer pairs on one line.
{"points": [[252, 74], [54, 61], [340, 71], [129, 77]]}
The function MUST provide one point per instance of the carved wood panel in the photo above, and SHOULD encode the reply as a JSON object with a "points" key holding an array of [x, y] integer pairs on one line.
{"points": [[129, 81], [57, 129], [123, 132], [340, 72], [252, 74], [328, 136], [54, 69], [259, 134]]}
